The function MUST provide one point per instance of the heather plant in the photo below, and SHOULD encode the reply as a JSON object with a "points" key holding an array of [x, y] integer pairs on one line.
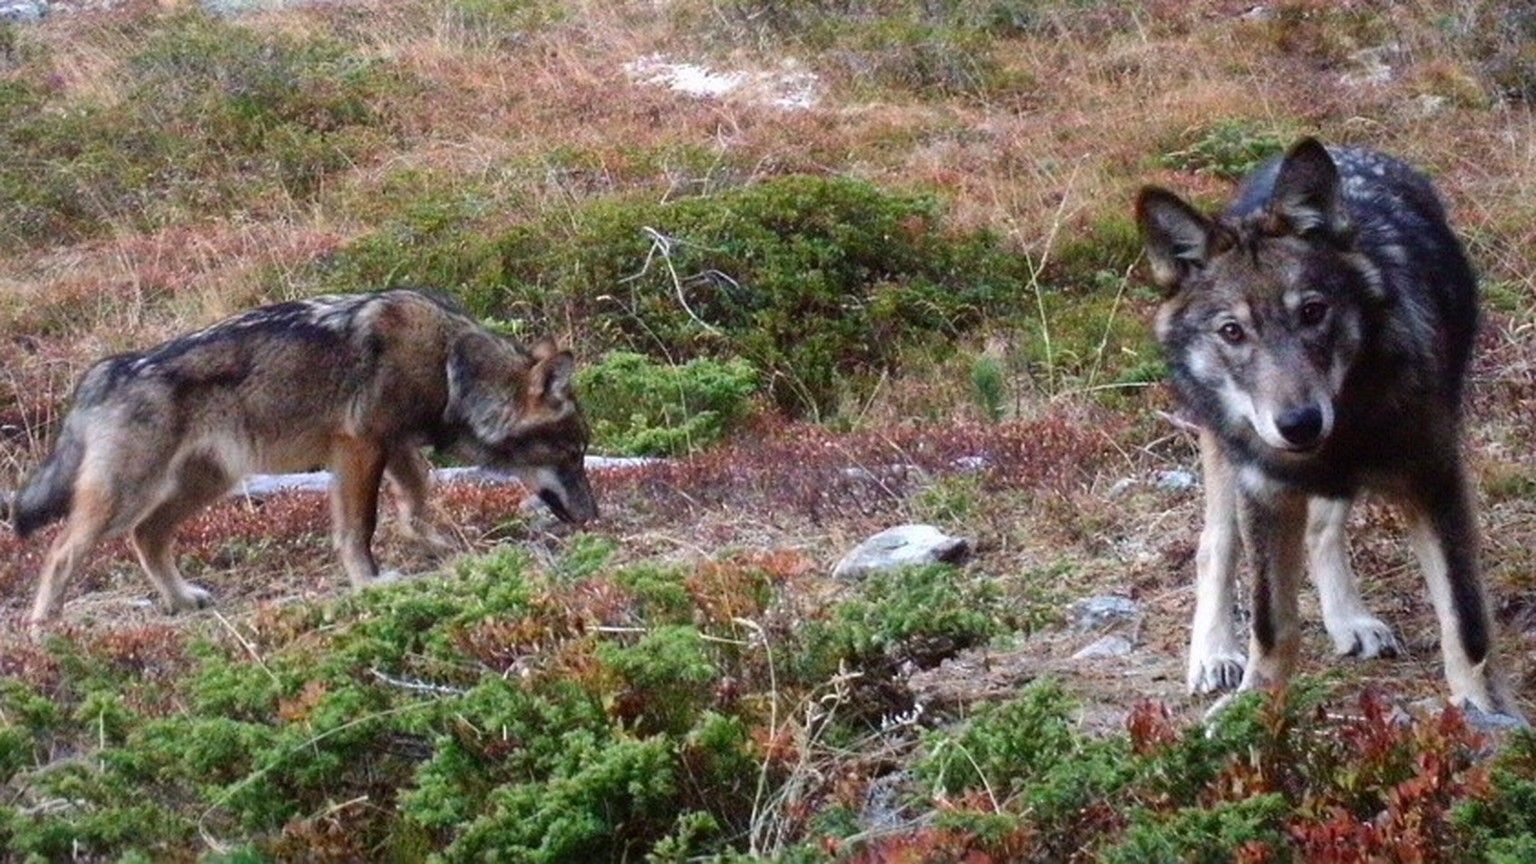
{"points": [[596, 710], [915, 615], [1282, 778], [990, 384]]}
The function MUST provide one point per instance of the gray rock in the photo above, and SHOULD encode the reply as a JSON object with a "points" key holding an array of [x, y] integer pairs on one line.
{"points": [[23, 11], [886, 474], [1176, 481], [1112, 645], [902, 546], [1097, 613], [242, 7], [972, 464]]}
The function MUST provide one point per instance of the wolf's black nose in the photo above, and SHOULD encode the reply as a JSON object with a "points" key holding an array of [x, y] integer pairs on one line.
{"points": [[1301, 427]]}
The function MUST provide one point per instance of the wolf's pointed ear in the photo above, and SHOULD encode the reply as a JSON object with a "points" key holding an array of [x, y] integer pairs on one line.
{"points": [[544, 349], [479, 380], [1178, 238], [1307, 195], [550, 379]]}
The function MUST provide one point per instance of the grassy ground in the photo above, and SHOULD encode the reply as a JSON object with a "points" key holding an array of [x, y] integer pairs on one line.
{"points": [[163, 168]]}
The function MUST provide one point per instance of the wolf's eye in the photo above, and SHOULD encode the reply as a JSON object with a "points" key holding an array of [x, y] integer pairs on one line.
{"points": [[1312, 313], [1231, 332]]}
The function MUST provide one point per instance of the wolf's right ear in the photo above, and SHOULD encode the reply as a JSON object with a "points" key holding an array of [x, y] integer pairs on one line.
{"points": [[1179, 239]]}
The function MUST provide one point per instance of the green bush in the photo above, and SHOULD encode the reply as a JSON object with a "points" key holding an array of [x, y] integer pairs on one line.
{"points": [[1229, 149], [819, 282], [580, 709], [918, 615], [642, 408]]}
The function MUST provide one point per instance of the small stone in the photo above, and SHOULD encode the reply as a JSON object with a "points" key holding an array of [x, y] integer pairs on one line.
{"points": [[1121, 486], [1176, 481], [1112, 645], [902, 546], [23, 11], [1097, 613], [971, 464]]}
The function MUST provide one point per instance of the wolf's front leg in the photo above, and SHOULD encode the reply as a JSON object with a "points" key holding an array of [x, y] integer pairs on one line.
{"points": [[1215, 651], [1354, 630], [357, 466], [1273, 522]]}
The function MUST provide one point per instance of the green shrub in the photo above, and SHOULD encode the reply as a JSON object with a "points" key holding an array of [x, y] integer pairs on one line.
{"points": [[919, 615], [642, 408], [1229, 149], [990, 385], [820, 282]]}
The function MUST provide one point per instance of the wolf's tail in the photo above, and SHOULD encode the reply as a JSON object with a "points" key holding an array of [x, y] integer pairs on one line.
{"points": [[51, 488]]}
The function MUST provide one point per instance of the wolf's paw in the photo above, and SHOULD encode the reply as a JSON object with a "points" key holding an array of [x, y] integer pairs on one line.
{"points": [[1501, 718], [429, 537], [1215, 672], [393, 577], [1365, 636], [188, 598]]}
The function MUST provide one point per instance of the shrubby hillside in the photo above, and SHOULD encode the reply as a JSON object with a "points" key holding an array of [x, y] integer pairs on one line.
{"points": [[842, 265]]}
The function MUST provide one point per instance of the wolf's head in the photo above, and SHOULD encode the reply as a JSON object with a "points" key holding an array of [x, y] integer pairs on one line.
{"points": [[522, 416], [1263, 313]]}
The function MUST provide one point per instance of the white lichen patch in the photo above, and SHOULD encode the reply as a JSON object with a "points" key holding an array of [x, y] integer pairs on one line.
{"points": [[789, 87]]}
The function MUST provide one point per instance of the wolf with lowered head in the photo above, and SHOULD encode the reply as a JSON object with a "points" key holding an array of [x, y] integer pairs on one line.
{"points": [[1319, 332], [354, 383]]}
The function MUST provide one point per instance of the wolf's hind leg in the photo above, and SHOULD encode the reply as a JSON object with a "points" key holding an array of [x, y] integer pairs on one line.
{"points": [[1443, 532], [90, 516], [1215, 650], [1354, 630], [410, 481], [199, 484]]}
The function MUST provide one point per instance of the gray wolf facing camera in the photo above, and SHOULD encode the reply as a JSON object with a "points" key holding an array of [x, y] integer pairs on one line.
{"points": [[355, 383], [1319, 332]]}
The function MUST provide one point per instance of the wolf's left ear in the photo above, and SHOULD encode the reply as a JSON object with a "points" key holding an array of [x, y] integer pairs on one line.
{"points": [[1178, 238], [1307, 194], [550, 379]]}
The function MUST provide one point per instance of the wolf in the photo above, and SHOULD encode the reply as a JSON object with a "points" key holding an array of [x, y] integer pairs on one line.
{"points": [[1318, 331], [357, 383]]}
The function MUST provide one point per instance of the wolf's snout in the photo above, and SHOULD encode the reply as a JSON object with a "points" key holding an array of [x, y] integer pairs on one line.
{"points": [[1302, 428]]}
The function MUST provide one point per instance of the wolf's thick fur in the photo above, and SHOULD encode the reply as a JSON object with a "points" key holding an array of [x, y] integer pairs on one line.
{"points": [[1319, 331], [356, 383]]}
